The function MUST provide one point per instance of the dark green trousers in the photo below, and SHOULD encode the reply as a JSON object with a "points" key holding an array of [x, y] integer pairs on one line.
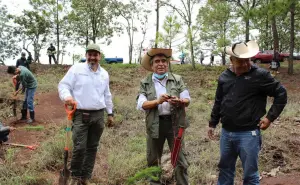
{"points": [[87, 129], [155, 150]]}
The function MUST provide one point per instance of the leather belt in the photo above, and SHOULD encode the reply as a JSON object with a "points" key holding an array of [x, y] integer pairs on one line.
{"points": [[165, 117], [89, 111]]}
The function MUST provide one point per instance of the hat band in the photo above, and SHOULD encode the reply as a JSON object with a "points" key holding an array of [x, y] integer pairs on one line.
{"points": [[157, 54]]}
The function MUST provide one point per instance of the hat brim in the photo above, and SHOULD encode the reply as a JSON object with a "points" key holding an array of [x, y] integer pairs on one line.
{"points": [[151, 53], [92, 50], [250, 51]]}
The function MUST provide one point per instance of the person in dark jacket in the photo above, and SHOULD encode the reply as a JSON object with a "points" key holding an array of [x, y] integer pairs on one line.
{"points": [[51, 51], [240, 104], [21, 62]]}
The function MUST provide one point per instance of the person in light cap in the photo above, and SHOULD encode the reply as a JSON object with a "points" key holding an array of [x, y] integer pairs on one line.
{"points": [[88, 85], [162, 95], [240, 104]]}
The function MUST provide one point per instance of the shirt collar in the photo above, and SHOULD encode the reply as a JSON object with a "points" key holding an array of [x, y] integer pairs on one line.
{"points": [[90, 69]]}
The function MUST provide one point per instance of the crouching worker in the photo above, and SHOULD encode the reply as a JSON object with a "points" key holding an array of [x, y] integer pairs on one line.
{"points": [[4, 132]]}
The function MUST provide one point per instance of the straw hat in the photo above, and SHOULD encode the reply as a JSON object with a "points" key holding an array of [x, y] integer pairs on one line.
{"points": [[242, 49], [151, 53]]}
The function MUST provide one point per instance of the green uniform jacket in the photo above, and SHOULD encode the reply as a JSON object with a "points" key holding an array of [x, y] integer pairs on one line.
{"points": [[174, 86]]}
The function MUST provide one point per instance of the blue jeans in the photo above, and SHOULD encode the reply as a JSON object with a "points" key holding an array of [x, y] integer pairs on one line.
{"points": [[29, 98], [246, 145]]}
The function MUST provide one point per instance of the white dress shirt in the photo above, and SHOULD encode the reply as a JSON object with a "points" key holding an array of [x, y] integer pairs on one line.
{"points": [[88, 88], [160, 88]]}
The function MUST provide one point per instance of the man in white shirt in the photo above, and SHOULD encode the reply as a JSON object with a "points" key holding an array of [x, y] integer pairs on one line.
{"points": [[163, 97], [88, 85]]}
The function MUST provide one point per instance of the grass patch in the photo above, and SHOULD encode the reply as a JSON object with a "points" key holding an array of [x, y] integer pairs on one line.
{"points": [[123, 148]]}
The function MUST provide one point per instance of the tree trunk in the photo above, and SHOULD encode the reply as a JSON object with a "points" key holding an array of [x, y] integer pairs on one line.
{"points": [[57, 33], [191, 46], [157, 23], [247, 29], [223, 59], [130, 34], [275, 34], [267, 33], [292, 38], [141, 47], [140, 53]]}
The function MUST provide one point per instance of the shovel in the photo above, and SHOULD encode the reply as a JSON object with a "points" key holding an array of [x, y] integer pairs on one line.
{"points": [[30, 147], [65, 173], [14, 80]]}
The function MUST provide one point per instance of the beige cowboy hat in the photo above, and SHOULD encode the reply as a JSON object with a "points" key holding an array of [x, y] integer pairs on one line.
{"points": [[242, 49], [151, 53]]}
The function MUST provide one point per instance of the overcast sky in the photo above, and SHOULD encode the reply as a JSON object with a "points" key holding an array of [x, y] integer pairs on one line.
{"points": [[118, 46]]}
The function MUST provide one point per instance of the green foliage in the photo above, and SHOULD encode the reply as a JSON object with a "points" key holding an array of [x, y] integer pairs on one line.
{"points": [[33, 26], [8, 38], [102, 61], [217, 23], [92, 20], [172, 27], [151, 172]]}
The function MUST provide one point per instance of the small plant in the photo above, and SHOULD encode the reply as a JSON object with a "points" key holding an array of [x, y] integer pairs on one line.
{"points": [[152, 172], [37, 128]]}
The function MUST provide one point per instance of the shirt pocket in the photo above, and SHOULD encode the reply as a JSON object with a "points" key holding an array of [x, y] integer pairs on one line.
{"points": [[100, 84], [83, 80]]}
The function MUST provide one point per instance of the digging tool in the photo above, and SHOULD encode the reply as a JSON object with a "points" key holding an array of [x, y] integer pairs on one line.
{"points": [[177, 141], [30, 147], [14, 80], [65, 173]]}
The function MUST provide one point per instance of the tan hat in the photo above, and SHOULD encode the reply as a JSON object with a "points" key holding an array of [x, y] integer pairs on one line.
{"points": [[242, 49], [151, 53], [93, 47]]}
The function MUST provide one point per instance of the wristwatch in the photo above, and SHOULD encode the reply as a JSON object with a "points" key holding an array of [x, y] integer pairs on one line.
{"points": [[112, 114]]}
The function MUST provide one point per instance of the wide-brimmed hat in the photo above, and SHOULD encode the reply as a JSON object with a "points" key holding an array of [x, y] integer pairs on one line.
{"points": [[151, 53], [242, 49]]}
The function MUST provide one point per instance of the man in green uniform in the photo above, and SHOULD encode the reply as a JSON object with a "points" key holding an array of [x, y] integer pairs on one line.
{"points": [[29, 82], [161, 97]]}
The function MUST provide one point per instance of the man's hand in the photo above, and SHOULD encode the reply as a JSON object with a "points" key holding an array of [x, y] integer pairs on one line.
{"points": [[69, 100], [110, 121], [211, 133], [264, 123], [163, 98]]}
